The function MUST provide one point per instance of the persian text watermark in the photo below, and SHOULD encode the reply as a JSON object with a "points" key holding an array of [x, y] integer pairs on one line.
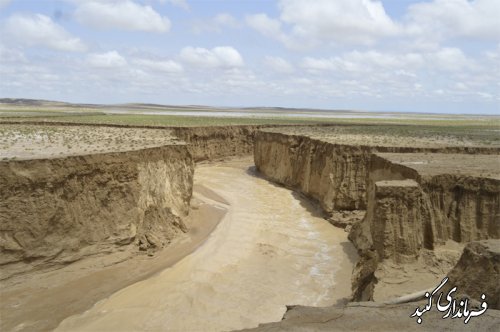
{"points": [[453, 309]]}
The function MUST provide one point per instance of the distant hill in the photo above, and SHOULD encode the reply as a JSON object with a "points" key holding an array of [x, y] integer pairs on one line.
{"points": [[30, 102]]}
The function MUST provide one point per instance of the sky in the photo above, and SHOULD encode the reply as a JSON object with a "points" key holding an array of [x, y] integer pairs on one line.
{"points": [[390, 55]]}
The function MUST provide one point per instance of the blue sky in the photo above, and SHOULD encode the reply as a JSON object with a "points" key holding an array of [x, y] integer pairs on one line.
{"points": [[391, 55]]}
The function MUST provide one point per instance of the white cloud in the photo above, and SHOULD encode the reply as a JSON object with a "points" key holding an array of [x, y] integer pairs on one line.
{"points": [[179, 3], [110, 59], [278, 64], [450, 59], [124, 15], [216, 23], [363, 62], [441, 19], [167, 66], [40, 30], [324, 21], [446, 74], [217, 57], [344, 21], [11, 55], [225, 19], [269, 27], [4, 3], [485, 95], [306, 24], [442, 55], [315, 64]]}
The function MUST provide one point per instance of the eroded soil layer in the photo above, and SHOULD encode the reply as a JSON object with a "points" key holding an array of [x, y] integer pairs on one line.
{"points": [[211, 143], [333, 169], [57, 210], [271, 249]]}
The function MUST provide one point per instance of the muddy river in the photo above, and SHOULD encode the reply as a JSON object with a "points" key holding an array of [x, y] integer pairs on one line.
{"points": [[271, 249]]}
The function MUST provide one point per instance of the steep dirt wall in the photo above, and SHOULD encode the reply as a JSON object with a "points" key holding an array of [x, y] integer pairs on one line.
{"points": [[464, 208], [334, 175], [209, 143], [401, 219], [337, 176], [58, 210], [408, 212]]}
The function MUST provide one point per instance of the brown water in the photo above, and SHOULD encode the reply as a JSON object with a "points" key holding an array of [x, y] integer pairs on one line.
{"points": [[269, 251]]}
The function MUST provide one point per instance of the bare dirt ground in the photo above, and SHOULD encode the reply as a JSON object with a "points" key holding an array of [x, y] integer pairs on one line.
{"points": [[369, 316], [397, 136], [396, 280], [34, 141], [448, 163]]}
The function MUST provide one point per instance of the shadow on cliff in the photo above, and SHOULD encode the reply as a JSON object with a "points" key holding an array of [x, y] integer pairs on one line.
{"points": [[311, 206]]}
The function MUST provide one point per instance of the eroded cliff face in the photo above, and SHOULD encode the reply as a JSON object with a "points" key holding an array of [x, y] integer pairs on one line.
{"points": [[334, 175], [55, 211], [209, 143], [466, 208], [462, 208], [401, 219], [407, 212]]}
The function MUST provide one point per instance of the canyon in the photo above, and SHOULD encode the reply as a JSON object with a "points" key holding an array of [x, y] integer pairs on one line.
{"points": [[416, 198], [408, 206]]}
